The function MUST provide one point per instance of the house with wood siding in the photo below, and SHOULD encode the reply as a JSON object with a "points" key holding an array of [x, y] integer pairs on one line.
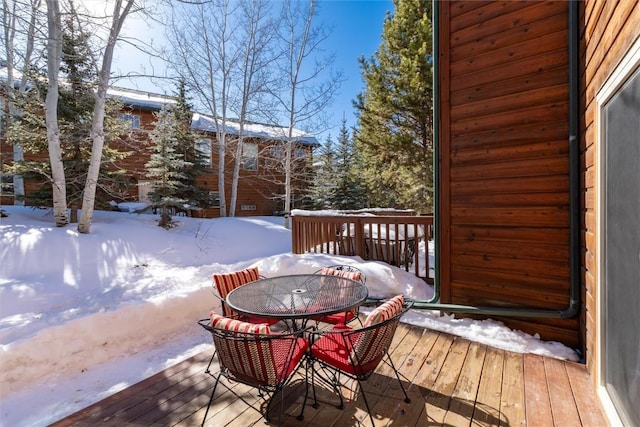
{"points": [[260, 186], [537, 217], [261, 174]]}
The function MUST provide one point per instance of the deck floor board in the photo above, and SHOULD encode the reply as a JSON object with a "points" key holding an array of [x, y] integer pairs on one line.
{"points": [[450, 380]]}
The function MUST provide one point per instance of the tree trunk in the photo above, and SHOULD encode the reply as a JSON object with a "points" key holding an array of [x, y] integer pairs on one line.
{"points": [[9, 19], [97, 126], [287, 183], [236, 173], [221, 153], [54, 52]]}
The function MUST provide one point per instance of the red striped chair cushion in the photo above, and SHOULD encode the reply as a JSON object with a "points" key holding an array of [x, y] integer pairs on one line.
{"points": [[371, 345], [361, 350], [353, 275], [226, 282], [221, 322], [385, 311], [262, 361]]}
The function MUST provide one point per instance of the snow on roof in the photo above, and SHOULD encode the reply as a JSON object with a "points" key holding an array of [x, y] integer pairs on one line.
{"points": [[131, 97], [257, 130], [147, 100], [140, 99]]}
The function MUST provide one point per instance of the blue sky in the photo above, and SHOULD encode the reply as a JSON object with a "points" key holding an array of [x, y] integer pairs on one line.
{"points": [[356, 30]]}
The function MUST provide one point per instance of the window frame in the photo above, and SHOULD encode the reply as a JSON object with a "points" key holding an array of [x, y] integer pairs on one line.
{"points": [[250, 160], [200, 142], [214, 199], [132, 119]]}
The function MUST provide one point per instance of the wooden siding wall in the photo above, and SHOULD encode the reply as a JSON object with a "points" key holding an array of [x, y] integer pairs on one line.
{"points": [[138, 146], [253, 191], [609, 28], [504, 159], [255, 187]]}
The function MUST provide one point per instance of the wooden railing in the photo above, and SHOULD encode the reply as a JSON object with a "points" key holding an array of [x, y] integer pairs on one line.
{"points": [[399, 240]]}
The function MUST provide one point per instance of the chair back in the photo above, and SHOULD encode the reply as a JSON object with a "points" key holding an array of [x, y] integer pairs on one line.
{"points": [[251, 354], [368, 345], [226, 282], [346, 271]]}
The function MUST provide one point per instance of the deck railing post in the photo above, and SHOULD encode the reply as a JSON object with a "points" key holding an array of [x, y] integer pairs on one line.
{"points": [[359, 238]]}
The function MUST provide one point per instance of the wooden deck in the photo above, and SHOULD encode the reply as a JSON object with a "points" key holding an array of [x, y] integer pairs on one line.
{"points": [[451, 381]]}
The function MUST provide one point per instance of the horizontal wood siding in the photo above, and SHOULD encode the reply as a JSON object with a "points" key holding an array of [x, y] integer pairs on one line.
{"points": [[254, 191], [609, 29], [505, 159]]}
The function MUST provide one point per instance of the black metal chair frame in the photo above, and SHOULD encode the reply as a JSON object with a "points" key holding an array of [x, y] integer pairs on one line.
{"points": [[330, 374], [265, 391]]}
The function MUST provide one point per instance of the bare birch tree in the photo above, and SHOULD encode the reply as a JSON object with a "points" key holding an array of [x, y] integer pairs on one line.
{"points": [[303, 96], [255, 43], [121, 10], [54, 55], [19, 22], [201, 35]]}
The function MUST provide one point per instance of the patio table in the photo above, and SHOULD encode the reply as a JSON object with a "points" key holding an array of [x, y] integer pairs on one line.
{"points": [[299, 296]]}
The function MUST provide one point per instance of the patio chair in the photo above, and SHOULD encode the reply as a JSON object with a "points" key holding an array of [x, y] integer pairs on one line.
{"points": [[251, 354], [348, 272], [224, 283], [356, 353]]}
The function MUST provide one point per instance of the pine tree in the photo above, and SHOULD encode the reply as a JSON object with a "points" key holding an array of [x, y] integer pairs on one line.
{"points": [[348, 192], [75, 111], [321, 191], [186, 146], [165, 166], [395, 135]]}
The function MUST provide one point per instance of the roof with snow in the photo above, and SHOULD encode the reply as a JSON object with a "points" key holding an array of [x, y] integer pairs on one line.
{"points": [[130, 97], [151, 101], [256, 130], [138, 98]]}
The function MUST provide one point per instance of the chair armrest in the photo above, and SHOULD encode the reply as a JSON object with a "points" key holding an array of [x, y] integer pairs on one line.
{"points": [[223, 305], [314, 334], [218, 297]]}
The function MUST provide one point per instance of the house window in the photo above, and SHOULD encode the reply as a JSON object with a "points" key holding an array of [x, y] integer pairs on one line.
{"points": [[300, 153], [277, 152], [6, 184], [203, 147], [618, 194], [133, 119], [214, 199], [250, 156], [3, 123]]}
